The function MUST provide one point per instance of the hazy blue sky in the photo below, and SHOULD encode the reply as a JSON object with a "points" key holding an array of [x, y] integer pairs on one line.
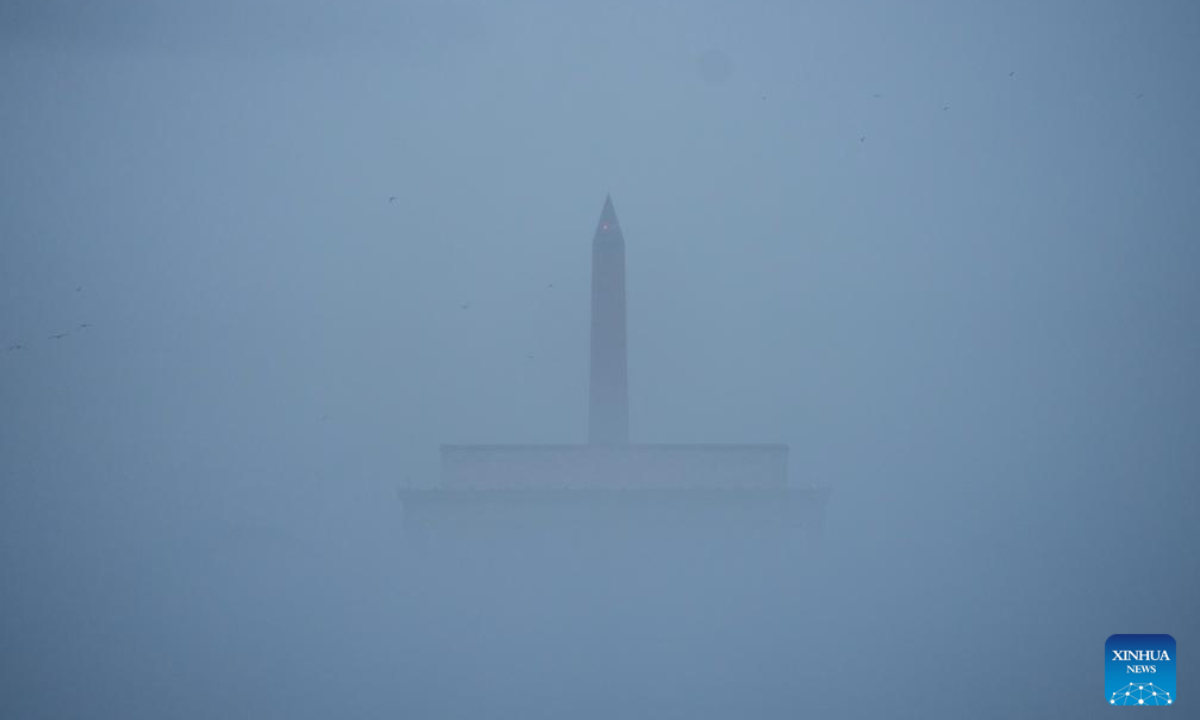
{"points": [[948, 251]]}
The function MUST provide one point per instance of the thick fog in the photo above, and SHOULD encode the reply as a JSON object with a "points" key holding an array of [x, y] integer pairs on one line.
{"points": [[260, 259]]}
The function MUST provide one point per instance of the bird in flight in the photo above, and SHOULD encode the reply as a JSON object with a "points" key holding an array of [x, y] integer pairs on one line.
{"points": [[1139, 96], [946, 106], [78, 288], [16, 347], [59, 336], [876, 95], [392, 199], [1012, 73], [551, 286], [85, 325], [464, 306], [863, 139]]}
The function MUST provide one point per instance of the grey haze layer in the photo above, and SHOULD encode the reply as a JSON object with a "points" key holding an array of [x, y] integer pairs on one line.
{"points": [[946, 252]]}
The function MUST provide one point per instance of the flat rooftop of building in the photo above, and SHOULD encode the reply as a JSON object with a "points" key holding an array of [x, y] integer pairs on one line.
{"points": [[611, 467]]}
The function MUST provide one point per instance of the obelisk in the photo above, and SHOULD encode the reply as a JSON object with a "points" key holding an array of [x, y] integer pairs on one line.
{"points": [[608, 400]]}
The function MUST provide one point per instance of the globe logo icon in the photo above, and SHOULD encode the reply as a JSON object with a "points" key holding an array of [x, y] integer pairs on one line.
{"points": [[1140, 694]]}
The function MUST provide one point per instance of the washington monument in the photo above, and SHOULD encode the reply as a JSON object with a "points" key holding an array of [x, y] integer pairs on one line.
{"points": [[608, 396]]}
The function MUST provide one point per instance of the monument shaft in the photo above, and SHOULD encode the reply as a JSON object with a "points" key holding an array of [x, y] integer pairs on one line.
{"points": [[608, 401]]}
